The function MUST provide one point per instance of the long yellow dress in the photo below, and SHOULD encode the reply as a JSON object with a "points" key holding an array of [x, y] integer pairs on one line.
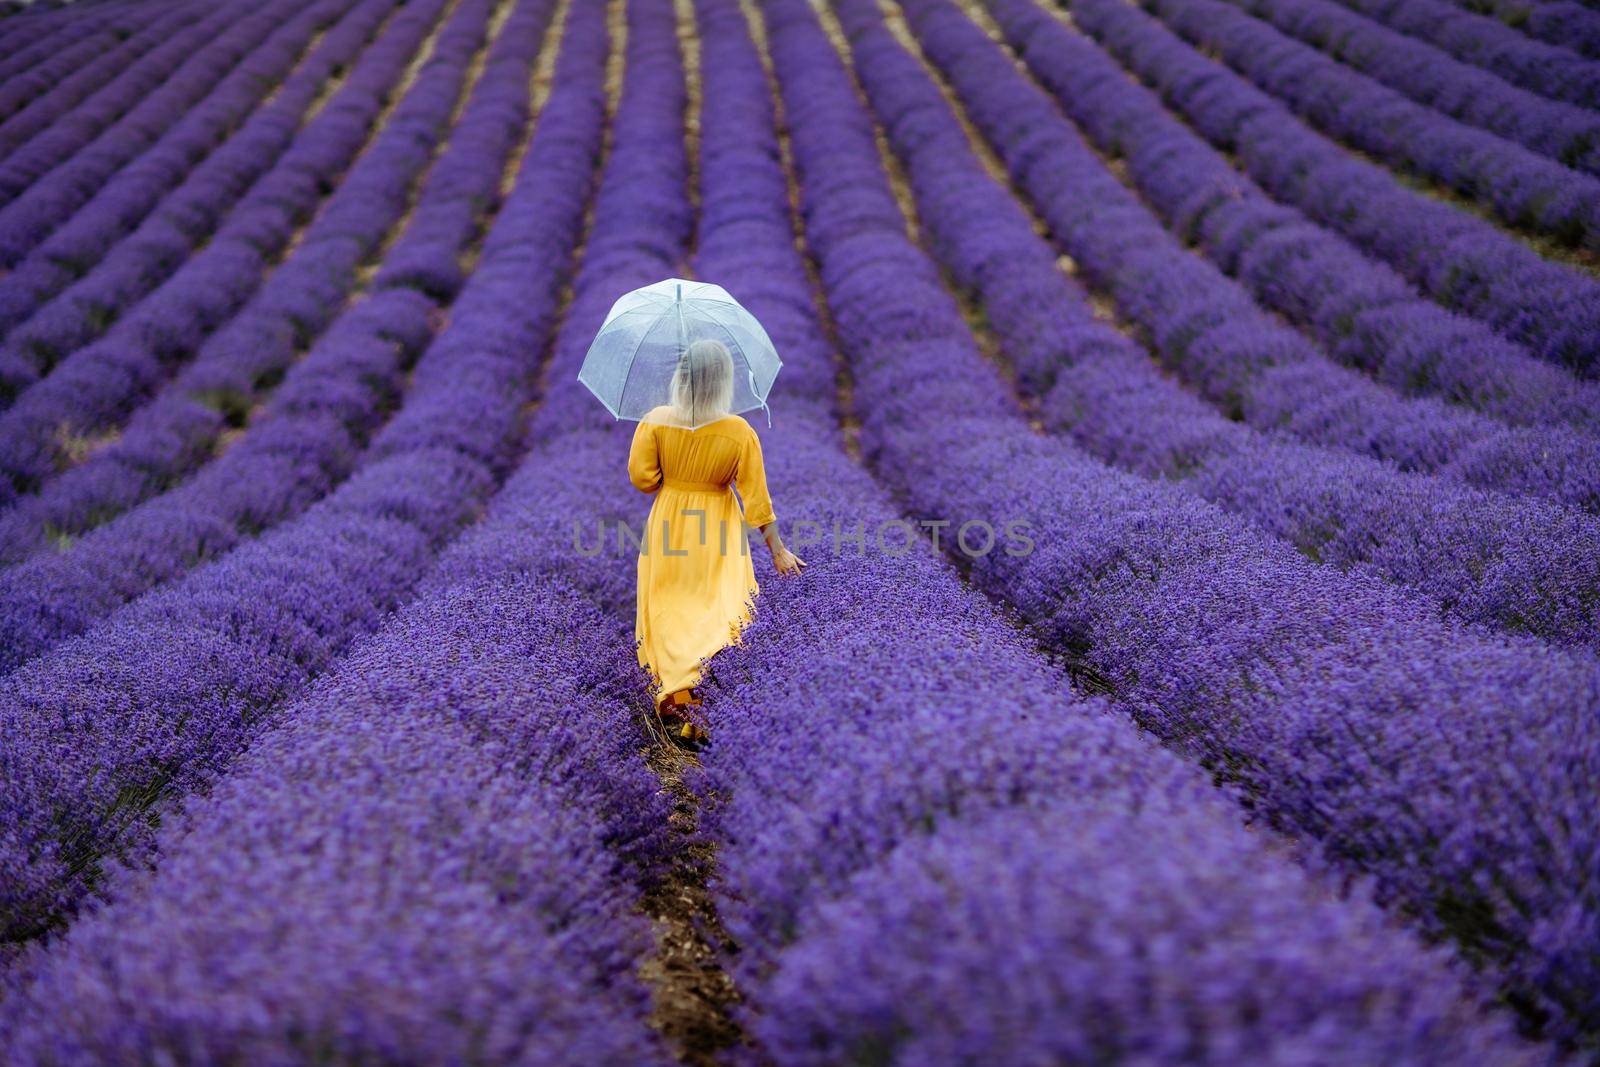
{"points": [[697, 583]]}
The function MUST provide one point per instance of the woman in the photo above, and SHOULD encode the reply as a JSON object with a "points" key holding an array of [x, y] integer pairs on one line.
{"points": [[696, 580]]}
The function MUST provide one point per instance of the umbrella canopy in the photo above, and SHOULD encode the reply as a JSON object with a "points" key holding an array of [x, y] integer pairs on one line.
{"points": [[641, 346]]}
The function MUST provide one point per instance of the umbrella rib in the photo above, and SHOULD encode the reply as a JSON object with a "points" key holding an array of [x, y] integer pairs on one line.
{"points": [[731, 337], [729, 331], [633, 361], [749, 370], [631, 311]]}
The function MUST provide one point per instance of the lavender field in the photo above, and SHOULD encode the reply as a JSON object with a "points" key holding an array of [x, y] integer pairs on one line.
{"points": [[1190, 417]]}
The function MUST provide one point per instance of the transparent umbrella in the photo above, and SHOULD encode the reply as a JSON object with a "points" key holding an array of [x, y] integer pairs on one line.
{"points": [[642, 344]]}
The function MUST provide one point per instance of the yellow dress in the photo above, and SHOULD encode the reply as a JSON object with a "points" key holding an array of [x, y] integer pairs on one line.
{"points": [[697, 583]]}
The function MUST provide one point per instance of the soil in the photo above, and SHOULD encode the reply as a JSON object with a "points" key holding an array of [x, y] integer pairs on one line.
{"points": [[694, 996]]}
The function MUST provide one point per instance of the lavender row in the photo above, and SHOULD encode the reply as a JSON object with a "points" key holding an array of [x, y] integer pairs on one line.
{"points": [[99, 384], [18, 54], [43, 22], [1257, 369], [180, 428], [1361, 312], [1519, 186], [484, 659], [250, 351], [115, 21], [312, 433], [1521, 565], [464, 183], [312, 437], [127, 196], [1485, 42], [432, 860], [88, 82], [101, 274], [92, 138], [28, 43], [1566, 133], [25, 35], [903, 898], [177, 682], [1449, 766], [37, 206], [1460, 261], [32, 72], [1562, 22]]}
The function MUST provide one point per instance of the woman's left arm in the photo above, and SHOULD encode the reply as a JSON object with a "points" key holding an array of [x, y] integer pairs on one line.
{"points": [[752, 482]]}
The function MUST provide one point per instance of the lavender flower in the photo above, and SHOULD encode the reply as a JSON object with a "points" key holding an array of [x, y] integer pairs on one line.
{"points": [[1362, 313], [140, 222], [1519, 564], [1561, 22], [92, 390], [352, 374], [1462, 262], [434, 857], [1565, 133], [1322, 695], [1519, 186], [1492, 45], [42, 105], [216, 651]]}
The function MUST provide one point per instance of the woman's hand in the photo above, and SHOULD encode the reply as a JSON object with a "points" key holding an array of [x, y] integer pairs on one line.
{"points": [[787, 562]]}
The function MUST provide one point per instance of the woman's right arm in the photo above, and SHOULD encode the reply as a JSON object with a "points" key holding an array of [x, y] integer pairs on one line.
{"points": [[644, 460]]}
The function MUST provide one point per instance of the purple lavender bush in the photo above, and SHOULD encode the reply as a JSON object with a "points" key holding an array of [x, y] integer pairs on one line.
{"points": [[1251, 365], [310, 435], [60, 168], [1461, 261], [1519, 564], [30, 72], [1565, 133], [435, 858], [1518, 185], [87, 80], [1362, 313], [30, 44], [246, 78], [246, 357], [233, 639], [1485, 42], [80, 278], [1561, 22], [97, 386], [1321, 695], [1255, 368]]}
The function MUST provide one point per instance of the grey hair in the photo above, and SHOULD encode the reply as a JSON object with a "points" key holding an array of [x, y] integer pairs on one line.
{"points": [[702, 385]]}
